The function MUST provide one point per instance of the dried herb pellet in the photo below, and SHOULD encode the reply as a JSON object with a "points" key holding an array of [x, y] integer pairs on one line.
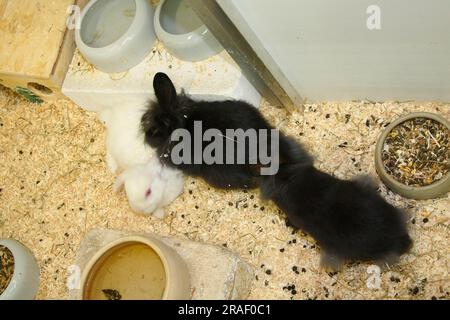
{"points": [[6, 267], [417, 152], [112, 294]]}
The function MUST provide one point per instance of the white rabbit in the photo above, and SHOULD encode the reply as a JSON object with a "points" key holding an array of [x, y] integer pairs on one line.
{"points": [[125, 140], [151, 186]]}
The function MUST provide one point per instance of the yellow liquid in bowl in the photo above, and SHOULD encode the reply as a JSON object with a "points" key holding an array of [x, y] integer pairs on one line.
{"points": [[133, 271]]}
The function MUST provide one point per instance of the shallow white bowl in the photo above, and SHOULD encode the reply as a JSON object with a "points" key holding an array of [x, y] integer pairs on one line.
{"points": [[24, 284], [116, 35], [183, 33]]}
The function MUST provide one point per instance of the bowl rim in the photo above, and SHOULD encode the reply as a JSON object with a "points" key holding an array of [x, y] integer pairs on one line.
{"points": [[409, 191], [139, 15], [197, 33], [12, 247], [23, 257], [97, 257]]}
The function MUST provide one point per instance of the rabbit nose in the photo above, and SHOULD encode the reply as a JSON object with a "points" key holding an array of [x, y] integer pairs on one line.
{"points": [[148, 193]]}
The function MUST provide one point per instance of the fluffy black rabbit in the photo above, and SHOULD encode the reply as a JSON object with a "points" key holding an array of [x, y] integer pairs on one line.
{"points": [[172, 111], [348, 219]]}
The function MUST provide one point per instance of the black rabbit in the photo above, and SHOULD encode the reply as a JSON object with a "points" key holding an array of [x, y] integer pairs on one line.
{"points": [[172, 111], [348, 219]]}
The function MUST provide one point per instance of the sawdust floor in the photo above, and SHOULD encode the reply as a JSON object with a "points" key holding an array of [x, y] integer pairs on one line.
{"points": [[55, 186]]}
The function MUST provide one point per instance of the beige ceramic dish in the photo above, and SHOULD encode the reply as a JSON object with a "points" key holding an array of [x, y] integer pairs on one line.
{"points": [[177, 280], [427, 192]]}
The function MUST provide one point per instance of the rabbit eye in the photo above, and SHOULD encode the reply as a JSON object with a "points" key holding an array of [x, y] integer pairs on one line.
{"points": [[148, 193]]}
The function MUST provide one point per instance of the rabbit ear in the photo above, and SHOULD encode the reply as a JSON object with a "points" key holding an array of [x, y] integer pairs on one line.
{"points": [[164, 90], [118, 184]]}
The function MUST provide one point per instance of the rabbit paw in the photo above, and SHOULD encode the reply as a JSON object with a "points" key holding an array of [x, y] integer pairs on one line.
{"points": [[111, 162], [388, 260], [159, 213], [330, 262]]}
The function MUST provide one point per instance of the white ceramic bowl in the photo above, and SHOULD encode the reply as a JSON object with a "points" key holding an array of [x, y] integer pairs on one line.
{"points": [[116, 35], [24, 284], [183, 34], [177, 286]]}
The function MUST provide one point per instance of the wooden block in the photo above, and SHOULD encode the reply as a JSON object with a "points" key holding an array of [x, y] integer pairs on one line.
{"points": [[36, 47]]}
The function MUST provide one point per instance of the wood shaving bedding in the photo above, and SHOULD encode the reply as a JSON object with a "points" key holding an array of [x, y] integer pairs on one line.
{"points": [[55, 186]]}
